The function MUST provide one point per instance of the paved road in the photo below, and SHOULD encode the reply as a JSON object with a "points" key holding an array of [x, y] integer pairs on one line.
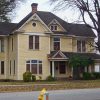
{"points": [[76, 94]]}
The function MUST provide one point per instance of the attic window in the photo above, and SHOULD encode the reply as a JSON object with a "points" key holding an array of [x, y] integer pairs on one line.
{"points": [[53, 27], [34, 24]]}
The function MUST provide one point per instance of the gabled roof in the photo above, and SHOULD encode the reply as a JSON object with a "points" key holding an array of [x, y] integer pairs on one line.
{"points": [[72, 29], [6, 28], [93, 56], [47, 17]]}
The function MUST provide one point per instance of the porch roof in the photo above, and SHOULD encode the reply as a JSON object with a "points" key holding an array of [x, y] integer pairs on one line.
{"points": [[68, 55]]}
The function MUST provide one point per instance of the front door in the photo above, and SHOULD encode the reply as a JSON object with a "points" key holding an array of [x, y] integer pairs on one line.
{"points": [[62, 67]]}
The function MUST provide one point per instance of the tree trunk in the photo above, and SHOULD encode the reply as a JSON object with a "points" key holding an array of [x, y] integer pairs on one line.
{"points": [[76, 74]]}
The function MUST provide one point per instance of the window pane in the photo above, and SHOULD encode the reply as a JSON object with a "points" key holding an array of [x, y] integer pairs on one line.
{"points": [[34, 68], [83, 46], [55, 27], [36, 45], [56, 45], [57, 39], [30, 42], [40, 68], [36, 39], [2, 45], [36, 42], [28, 67], [12, 44], [2, 67], [10, 67], [78, 46], [14, 67], [28, 61], [51, 27], [33, 61]]}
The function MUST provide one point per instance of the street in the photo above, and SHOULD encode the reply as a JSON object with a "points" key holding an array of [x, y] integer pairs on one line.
{"points": [[74, 94]]}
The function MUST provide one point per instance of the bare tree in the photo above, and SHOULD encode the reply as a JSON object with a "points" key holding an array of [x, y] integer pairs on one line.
{"points": [[90, 8], [7, 6]]}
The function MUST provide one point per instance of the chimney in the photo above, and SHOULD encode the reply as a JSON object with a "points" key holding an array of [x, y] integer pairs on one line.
{"points": [[34, 7]]}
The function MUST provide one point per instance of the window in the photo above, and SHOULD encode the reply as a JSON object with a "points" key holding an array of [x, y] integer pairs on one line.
{"points": [[1, 45], [12, 44], [97, 67], [56, 42], [81, 46], [34, 66], [2, 67], [10, 67], [33, 42], [34, 24], [53, 27], [14, 67]]}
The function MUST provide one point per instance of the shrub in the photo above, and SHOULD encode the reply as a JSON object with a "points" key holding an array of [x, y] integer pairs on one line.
{"points": [[27, 77], [50, 78], [87, 76], [33, 78], [96, 75]]}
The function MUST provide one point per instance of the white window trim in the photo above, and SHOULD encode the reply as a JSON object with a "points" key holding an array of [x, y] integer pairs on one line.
{"points": [[81, 46], [36, 64], [97, 64], [34, 42], [56, 41], [53, 27]]}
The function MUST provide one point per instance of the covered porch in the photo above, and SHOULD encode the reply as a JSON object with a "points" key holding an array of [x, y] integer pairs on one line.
{"points": [[60, 69]]}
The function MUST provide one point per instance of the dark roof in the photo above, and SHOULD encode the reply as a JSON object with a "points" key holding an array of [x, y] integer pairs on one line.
{"points": [[47, 17], [72, 29], [70, 54], [59, 32], [6, 28]]}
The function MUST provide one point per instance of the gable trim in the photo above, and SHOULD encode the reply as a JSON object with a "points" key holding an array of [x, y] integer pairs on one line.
{"points": [[57, 23], [31, 19], [61, 54]]}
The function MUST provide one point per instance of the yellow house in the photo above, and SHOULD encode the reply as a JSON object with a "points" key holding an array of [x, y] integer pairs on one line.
{"points": [[42, 43]]}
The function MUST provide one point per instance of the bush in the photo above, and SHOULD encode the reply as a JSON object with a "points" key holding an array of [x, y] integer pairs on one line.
{"points": [[50, 78], [96, 75], [87, 76], [27, 77], [33, 78]]}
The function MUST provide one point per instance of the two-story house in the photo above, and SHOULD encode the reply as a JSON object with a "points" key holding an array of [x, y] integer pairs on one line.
{"points": [[42, 43]]}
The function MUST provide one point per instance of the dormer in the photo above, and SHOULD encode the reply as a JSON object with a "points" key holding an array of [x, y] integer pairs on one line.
{"points": [[54, 25]]}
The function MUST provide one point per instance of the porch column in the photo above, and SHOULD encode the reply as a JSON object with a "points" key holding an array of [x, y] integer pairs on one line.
{"points": [[53, 69]]}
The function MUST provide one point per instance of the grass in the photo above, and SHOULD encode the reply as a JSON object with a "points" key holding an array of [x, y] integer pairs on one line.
{"points": [[55, 85]]}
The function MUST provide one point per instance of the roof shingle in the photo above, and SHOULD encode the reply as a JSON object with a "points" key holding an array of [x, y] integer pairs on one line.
{"points": [[47, 17]]}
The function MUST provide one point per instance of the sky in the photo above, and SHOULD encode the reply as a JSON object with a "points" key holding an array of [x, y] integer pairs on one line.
{"points": [[43, 5]]}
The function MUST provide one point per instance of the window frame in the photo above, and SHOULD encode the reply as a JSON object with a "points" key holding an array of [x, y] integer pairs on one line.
{"points": [[33, 42], [56, 42], [37, 63], [1, 45], [53, 27], [1, 68], [82, 48]]}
